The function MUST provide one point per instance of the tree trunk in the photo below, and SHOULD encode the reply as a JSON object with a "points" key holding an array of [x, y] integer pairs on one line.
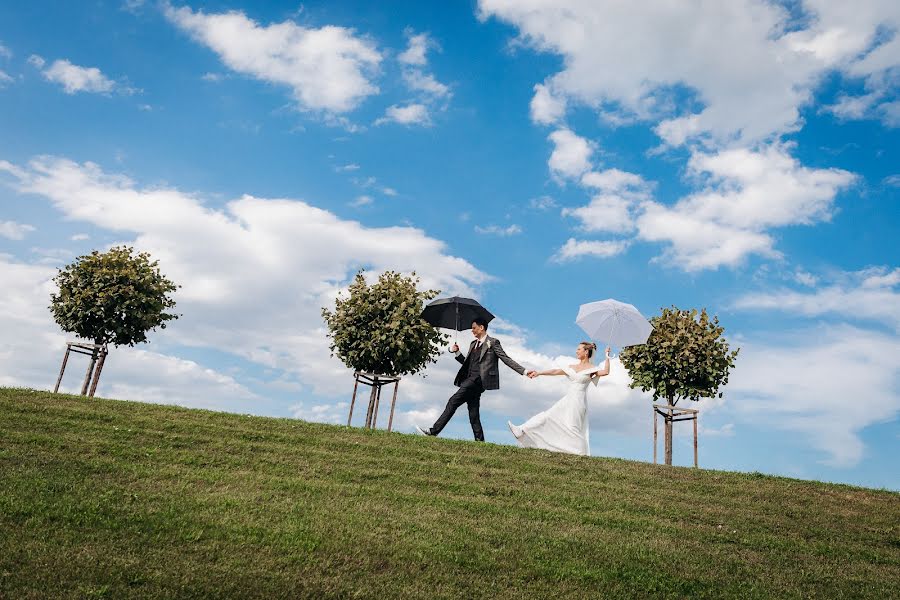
{"points": [[371, 407], [103, 353], [669, 433], [90, 371]]}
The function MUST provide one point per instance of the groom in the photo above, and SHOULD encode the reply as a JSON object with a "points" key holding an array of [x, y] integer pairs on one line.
{"points": [[477, 374]]}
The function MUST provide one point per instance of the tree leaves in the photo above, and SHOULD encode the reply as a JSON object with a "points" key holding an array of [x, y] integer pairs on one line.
{"points": [[114, 297], [378, 328], [685, 357]]}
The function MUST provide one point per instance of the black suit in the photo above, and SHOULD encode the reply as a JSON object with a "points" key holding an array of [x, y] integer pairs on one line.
{"points": [[478, 367]]}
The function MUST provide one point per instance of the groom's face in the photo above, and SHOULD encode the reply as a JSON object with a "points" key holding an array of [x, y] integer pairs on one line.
{"points": [[478, 330]]}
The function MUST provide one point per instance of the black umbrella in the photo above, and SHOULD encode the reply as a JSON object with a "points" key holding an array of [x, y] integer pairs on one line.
{"points": [[455, 313]]}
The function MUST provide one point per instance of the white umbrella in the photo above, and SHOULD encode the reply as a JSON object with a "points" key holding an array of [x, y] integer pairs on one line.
{"points": [[614, 322]]}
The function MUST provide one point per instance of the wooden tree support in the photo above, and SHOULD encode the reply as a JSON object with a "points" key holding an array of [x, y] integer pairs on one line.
{"points": [[673, 414], [98, 353], [376, 382]]}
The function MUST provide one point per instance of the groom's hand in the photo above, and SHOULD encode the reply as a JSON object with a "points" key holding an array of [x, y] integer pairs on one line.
{"points": [[454, 348], [531, 374]]}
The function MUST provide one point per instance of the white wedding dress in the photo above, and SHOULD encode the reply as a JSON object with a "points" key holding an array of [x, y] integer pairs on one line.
{"points": [[564, 426]]}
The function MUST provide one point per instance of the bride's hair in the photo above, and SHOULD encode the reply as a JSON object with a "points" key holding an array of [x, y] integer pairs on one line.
{"points": [[590, 347]]}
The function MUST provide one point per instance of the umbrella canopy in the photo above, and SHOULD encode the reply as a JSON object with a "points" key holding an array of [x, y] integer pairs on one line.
{"points": [[614, 322], [455, 313]]}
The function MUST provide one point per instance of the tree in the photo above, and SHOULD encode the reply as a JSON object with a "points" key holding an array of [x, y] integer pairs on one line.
{"points": [[114, 297], [378, 328], [685, 357], [378, 331]]}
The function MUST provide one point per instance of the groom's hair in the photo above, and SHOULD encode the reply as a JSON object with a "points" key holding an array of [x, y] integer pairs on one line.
{"points": [[480, 321]]}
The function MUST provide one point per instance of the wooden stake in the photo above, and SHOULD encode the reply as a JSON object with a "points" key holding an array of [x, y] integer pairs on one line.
{"points": [[654, 436], [353, 399], [62, 369], [393, 403]]}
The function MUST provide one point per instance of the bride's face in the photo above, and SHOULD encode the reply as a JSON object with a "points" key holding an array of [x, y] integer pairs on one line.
{"points": [[580, 352]]}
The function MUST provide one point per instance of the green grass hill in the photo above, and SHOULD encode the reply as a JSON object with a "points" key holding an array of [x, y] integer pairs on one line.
{"points": [[103, 498]]}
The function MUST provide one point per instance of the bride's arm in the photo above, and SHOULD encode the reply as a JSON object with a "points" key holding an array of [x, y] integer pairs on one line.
{"points": [[604, 371], [550, 372]]}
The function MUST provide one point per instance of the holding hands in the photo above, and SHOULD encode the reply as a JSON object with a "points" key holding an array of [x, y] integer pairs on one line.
{"points": [[584, 352], [454, 348]]}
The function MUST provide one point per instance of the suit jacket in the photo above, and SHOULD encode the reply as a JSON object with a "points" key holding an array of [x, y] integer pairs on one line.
{"points": [[491, 351]]}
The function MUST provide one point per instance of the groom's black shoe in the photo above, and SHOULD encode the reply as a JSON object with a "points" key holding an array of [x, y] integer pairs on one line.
{"points": [[424, 431]]}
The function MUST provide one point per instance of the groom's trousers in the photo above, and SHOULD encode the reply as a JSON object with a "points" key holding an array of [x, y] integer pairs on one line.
{"points": [[469, 393]]}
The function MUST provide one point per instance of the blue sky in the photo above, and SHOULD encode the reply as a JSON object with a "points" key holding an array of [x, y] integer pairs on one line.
{"points": [[533, 154]]}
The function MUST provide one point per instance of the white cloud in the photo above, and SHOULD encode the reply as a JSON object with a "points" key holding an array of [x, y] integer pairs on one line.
{"points": [[574, 249], [80, 237], [826, 384], [880, 277], [5, 52], [4, 78], [892, 180], [411, 114], [328, 69], [362, 200], [14, 231], [425, 82], [76, 79], [697, 244], [36, 61], [853, 107], [542, 203], [546, 109], [612, 209], [571, 155], [266, 304], [499, 230], [804, 278], [745, 63], [335, 414], [747, 192], [133, 6], [427, 90], [347, 167], [764, 188], [415, 53], [32, 348], [388, 191], [605, 212], [615, 180], [866, 295]]}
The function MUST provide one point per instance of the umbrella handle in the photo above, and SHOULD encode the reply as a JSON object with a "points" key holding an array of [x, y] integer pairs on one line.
{"points": [[612, 335]]}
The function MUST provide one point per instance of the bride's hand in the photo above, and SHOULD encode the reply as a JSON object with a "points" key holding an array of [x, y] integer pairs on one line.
{"points": [[607, 352]]}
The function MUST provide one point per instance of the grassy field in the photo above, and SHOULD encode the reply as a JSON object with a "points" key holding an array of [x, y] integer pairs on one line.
{"points": [[101, 498]]}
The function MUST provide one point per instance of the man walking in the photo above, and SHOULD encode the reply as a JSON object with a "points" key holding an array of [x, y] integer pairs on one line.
{"points": [[478, 373]]}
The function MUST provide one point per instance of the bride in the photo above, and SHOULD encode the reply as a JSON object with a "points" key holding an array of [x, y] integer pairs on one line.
{"points": [[564, 427]]}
